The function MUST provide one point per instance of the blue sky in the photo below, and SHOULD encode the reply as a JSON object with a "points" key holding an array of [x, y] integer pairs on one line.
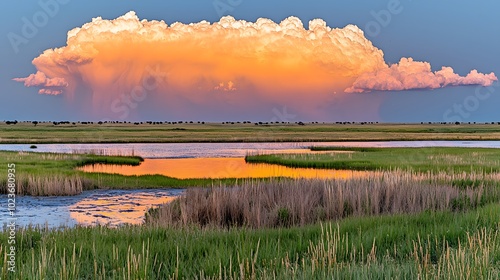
{"points": [[461, 34]]}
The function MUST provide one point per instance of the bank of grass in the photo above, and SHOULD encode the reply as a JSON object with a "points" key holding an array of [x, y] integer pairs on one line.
{"points": [[27, 133], [434, 159], [429, 245], [45, 174]]}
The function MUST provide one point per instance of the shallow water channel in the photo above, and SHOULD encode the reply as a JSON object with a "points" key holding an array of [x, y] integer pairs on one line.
{"points": [[179, 160], [105, 207]]}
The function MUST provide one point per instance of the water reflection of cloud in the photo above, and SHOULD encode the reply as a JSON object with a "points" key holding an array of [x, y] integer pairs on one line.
{"points": [[219, 168], [117, 208]]}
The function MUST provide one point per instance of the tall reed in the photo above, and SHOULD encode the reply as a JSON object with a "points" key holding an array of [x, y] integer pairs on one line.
{"points": [[54, 185], [286, 203]]}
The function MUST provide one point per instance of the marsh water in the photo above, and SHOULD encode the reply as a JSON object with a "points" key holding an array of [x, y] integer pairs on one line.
{"points": [[218, 168], [217, 150], [179, 160], [105, 207]]}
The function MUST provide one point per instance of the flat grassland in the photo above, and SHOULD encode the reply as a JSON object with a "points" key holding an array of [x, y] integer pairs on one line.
{"points": [[249, 132]]}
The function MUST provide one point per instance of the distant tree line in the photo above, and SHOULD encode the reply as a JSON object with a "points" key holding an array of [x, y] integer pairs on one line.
{"points": [[56, 123]]}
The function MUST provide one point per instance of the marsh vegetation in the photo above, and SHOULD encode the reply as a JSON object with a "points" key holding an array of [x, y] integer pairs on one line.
{"points": [[450, 160], [284, 203], [421, 213]]}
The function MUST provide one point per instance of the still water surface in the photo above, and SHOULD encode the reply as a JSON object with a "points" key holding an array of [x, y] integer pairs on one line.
{"points": [[213, 150], [217, 168]]}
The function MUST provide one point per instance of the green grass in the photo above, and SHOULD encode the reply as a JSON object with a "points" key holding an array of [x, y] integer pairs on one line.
{"points": [[50, 164], [450, 160], [429, 245], [117, 181], [34, 162], [211, 132], [360, 247]]}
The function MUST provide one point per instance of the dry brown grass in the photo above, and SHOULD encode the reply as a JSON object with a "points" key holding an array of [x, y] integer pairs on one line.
{"points": [[55, 185], [298, 202]]}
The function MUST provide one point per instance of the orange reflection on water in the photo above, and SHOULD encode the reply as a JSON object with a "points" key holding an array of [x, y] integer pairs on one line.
{"points": [[116, 209], [217, 168]]}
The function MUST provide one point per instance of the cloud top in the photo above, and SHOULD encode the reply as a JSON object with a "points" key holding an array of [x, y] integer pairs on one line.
{"points": [[260, 62], [409, 74]]}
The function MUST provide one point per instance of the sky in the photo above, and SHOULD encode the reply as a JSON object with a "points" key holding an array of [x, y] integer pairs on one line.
{"points": [[269, 61]]}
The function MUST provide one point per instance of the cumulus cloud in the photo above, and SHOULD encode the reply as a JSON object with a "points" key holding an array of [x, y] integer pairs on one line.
{"points": [[124, 61], [47, 85], [260, 62], [410, 74]]}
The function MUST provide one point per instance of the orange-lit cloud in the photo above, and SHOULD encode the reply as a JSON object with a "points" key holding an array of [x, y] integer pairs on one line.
{"points": [[47, 85], [410, 74], [231, 62], [253, 62]]}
